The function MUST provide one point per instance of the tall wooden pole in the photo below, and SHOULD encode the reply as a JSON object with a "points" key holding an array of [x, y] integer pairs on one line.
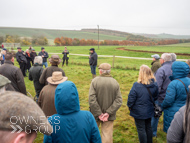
{"points": [[98, 37]]}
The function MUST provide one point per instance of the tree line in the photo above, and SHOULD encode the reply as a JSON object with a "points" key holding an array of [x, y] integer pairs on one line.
{"points": [[34, 40], [65, 41]]}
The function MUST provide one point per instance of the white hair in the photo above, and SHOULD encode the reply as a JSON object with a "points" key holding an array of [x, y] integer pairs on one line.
{"points": [[174, 56], [38, 60], [166, 57], [105, 71], [27, 50], [2, 89]]}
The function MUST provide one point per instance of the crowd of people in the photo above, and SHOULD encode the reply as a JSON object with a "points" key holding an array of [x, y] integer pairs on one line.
{"points": [[164, 85]]}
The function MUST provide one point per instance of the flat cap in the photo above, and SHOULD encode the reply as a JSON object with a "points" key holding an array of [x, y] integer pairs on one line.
{"points": [[105, 66], [55, 59], [42, 48], [156, 56], [4, 81], [19, 48], [20, 113], [92, 49]]}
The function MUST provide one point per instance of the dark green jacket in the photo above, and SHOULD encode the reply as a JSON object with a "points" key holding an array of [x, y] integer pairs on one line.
{"points": [[34, 75], [104, 96], [155, 66]]}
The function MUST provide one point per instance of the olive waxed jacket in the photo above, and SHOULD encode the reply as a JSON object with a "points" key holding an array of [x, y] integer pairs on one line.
{"points": [[104, 96]]}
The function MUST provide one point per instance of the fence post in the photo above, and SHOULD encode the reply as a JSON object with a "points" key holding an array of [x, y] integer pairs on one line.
{"points": [[113, 61]]}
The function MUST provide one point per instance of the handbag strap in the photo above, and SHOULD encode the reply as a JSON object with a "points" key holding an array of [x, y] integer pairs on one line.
{"points": [[184, 85], [150, 94]]}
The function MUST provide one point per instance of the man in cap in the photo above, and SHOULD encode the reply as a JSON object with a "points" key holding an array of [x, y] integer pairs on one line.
{"points": [[93, 61], [46, 98], [44, 55], [65, 56], [21, 120], [104, 100], [13, 73], [33, 55], [5, 84], [54, 61], [156, 63], [21, 58]]}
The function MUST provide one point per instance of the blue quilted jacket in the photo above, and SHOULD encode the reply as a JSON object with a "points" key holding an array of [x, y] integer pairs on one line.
{"points": [[175, 95]]}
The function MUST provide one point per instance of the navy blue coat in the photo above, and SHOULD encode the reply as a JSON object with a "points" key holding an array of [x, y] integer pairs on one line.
{"points": [[162, 77], [71, 125], [175, 94], [139, 101]]}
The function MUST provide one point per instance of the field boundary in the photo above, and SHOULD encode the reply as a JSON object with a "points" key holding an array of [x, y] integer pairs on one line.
{"points": [[142, 51]]}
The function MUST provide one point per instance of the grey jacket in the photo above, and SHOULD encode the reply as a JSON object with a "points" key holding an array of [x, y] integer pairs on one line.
{"points": [[175, 132], [162, 77]]}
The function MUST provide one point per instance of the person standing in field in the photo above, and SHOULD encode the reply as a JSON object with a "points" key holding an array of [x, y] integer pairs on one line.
{"points": [[188, 62], [3, 53], [13, 73], [28, 65], [162, 77], [71, 124], [21, 58], [141, 105], [179, 130], [93, 61], [35, 73], [65, 56], [104, 101], [47, 94], [44, 55], [156, 63], [47, 72], [176, 93], [33, 54]]}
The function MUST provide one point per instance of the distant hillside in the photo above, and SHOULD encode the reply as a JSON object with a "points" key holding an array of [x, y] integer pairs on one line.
{"points": [[52, 34], [164, 36]]}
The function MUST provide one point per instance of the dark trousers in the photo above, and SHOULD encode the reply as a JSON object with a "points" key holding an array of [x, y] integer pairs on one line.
{"points": [[66, 61], [23, 68], [93, 69], [144, 130]]}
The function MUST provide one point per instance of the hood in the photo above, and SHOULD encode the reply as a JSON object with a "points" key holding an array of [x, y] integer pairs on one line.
{"points": [[179, 70], [66, 98], [152, 84]]}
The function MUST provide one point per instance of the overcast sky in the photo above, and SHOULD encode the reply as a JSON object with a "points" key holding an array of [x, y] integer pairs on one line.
{"points": [[134, 16]]}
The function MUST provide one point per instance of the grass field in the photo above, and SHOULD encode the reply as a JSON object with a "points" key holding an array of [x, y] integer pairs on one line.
{"points": [[124, 126], [53, 33]]}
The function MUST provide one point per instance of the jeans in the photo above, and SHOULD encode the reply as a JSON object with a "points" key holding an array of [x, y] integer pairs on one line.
{"points": [[144, 130], [154, 122], [45, 64], [93, 70]]}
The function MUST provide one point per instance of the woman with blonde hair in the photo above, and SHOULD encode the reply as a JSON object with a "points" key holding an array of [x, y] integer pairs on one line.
{"points": [[140, 104]]}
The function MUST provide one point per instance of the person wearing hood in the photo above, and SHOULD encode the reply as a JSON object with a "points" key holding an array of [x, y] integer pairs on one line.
{"points": [[54, 61], [47, 94], [35, 73], [156, 63], [188, 62], [140, 104], [70, 124], [162, 78], [176, 92]]}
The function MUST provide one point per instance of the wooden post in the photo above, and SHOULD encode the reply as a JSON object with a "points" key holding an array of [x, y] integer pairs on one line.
{"points": [[113, 61]]}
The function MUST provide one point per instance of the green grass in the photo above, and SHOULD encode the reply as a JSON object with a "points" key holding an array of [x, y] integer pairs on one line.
{"points": [[78, 71]]}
